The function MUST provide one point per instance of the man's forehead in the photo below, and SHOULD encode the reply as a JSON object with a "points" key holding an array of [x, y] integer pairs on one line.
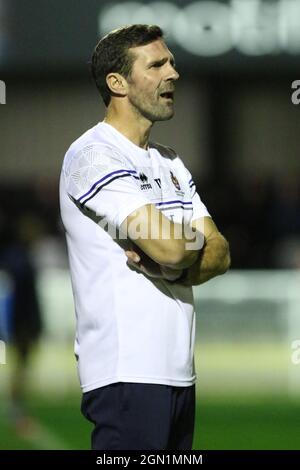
{"points": [[155, 50]]}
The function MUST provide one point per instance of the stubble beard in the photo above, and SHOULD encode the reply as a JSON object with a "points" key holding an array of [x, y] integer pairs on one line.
{"points": [[157, 111]]}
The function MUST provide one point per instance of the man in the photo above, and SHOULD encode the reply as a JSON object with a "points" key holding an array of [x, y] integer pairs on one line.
{"points": [[133, 219]]}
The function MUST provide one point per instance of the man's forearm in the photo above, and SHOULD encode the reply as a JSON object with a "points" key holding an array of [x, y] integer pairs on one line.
{"points": [[213, 260], [204, 263], [189, 242]]}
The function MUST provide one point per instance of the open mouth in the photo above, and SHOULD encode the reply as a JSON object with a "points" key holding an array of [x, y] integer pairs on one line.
{"points": [[169, 95]]}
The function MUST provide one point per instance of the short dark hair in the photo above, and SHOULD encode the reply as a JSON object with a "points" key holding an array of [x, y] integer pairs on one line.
{"points": [[111, 53]]}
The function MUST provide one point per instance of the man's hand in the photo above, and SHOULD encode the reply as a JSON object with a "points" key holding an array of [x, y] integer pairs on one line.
{"points": [[143, 264], [214, 258], [140, 262]]}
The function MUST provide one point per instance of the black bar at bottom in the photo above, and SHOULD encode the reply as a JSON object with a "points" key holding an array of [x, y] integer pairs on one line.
{"points": [[126, 459]]}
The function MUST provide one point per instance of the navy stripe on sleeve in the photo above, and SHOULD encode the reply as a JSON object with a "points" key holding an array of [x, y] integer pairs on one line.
{"points": [[127, 172], [175, 205], [173, 202], [124, 175], [97, 186]]}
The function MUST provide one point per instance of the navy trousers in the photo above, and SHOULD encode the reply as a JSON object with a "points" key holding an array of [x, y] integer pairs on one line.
{"points": [[138, 416]]}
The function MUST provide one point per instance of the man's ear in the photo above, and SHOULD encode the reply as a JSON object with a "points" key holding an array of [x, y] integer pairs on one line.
{"points": [[117, 84]]}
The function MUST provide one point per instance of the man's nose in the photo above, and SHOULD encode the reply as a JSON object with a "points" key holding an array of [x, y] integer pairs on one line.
{"points": [[172, 73]]}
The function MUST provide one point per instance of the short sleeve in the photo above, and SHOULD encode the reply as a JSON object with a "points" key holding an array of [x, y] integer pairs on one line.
{"points": [[199, 209], [102, 184]]}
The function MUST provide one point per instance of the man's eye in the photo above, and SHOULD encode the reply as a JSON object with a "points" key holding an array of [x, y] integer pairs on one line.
{"points": [[157, 65]]}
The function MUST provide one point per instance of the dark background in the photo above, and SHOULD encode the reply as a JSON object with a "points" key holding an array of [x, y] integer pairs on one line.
{"points": [[239, 137]]}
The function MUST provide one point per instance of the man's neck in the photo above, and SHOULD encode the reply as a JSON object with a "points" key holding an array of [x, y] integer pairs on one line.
{"points": [[136, 129]]}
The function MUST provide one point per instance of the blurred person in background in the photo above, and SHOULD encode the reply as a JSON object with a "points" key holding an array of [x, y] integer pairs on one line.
{"points": [[133, 294], [24, 322]]}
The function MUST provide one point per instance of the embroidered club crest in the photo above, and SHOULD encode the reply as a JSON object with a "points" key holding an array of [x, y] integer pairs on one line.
{"points": [[175, 181]]}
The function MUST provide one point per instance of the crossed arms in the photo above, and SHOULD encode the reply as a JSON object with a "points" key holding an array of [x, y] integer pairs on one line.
{"points": [[190, 254]]}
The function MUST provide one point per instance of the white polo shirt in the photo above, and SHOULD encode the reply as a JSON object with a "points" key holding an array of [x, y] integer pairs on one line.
{"points": [[130, 328]]}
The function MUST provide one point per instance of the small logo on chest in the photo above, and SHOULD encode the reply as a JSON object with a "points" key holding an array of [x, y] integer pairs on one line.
{"points": [[144, 180], [158, 182]]}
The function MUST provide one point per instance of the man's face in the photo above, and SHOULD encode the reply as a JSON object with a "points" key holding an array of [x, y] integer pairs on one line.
{"points": [[152, 81]]}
